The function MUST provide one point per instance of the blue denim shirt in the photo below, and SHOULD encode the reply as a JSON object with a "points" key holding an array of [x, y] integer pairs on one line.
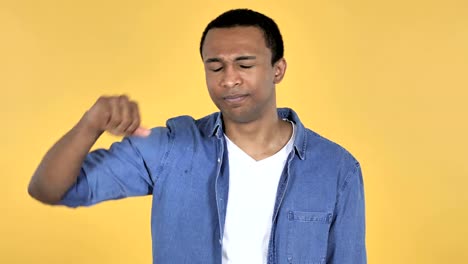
{"points": [[318, 215]]}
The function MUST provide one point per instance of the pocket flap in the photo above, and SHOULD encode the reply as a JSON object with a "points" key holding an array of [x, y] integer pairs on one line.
{"points": [[300, 216]]}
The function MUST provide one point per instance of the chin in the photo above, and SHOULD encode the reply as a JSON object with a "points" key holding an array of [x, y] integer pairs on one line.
{"points": [[239, 117]]}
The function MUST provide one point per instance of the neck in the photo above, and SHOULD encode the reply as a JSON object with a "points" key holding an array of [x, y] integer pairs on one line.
{"points": [[257, 131], [260, 138]]}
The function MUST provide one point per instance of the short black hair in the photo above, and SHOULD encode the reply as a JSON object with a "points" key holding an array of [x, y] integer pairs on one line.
{"points": [[245, 18]]}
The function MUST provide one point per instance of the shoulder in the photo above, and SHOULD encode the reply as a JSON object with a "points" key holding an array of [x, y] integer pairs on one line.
{"points": [[315, 149], [332, 156], [327, 149], [179, 133], [181, 130], [186, 125], [181, 126]]}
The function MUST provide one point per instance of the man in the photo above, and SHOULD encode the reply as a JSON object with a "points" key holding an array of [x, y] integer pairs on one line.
{"points": [[247, 185]]}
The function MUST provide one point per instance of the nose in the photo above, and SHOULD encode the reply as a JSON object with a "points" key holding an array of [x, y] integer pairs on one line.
{"points": [[231, 77]]}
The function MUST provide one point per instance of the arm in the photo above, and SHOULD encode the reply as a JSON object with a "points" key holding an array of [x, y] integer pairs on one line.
{"points": [[346, 243], [60, 167]]}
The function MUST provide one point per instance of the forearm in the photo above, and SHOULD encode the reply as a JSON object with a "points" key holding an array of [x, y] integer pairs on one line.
{"points": [[61, 166]]}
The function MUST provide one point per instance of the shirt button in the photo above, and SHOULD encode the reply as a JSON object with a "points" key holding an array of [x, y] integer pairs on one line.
{"points": [[219, 160]]}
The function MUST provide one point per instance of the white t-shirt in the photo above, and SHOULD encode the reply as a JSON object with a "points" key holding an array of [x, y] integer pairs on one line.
{"points": [[251, 200]]}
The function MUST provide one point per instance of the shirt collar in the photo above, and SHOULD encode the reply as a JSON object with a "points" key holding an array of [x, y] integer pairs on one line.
{"points": [[300, 142]]}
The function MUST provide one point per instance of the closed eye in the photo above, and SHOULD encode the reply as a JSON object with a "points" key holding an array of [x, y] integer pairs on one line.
{"points": [[246, 66], [217, 69]]}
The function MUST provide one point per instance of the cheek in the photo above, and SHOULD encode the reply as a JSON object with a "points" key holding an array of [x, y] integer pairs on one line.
{"points": [[212, 87], [211, 79], [209, 82], [261, 81]]}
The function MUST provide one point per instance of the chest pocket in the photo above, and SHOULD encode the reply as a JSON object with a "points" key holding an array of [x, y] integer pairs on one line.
{"points": [[307, 237]]}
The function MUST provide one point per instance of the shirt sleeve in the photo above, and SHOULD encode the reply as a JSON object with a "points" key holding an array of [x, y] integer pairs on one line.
{"points": [[346, 244], [127, 168]]}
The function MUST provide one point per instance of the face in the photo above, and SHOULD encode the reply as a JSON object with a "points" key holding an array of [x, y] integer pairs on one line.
{"points": [[239, 75]]}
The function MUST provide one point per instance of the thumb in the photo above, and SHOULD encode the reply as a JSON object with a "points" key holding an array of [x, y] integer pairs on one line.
{"points": [[141, 132]]}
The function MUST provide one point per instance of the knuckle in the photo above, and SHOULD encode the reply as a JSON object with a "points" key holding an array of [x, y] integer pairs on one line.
{"points": [[114, 100], [100, 102], [133, 105], [133, 124], [125, 123], [104, 100], [106, 114], [131, 129], [115, 132], [123, 98], [115, 121], [136, 119]]}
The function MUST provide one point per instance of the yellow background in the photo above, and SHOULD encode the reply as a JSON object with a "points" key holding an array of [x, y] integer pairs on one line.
{"points": [[386, 79]]}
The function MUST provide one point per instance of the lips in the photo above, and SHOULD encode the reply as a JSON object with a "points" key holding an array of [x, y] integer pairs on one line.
{"points": [[235, 98]]}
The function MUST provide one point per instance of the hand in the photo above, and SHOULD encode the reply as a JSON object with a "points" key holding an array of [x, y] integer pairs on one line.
{"points": [[116, 115]]}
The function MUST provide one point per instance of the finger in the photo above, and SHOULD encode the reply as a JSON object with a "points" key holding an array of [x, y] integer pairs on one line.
{"points": [[141, 132], [116, 117], [126, 114], [135, 117], [138, 130]]}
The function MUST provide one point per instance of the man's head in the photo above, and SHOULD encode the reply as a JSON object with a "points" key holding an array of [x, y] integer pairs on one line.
{"points": [[247, 18], [242, 52]]}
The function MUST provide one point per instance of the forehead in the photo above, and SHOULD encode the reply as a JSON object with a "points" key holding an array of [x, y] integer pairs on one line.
{"points": [[227, 42]]}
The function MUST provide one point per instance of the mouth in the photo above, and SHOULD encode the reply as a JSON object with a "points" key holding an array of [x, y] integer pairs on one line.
{"points": [[235, 98]]}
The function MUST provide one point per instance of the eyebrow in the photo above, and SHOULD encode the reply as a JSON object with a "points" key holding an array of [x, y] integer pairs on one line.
{"points": [[240, 58]]}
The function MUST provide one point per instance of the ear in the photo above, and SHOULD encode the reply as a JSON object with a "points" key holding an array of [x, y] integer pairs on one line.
{"points": [[279, 69]]}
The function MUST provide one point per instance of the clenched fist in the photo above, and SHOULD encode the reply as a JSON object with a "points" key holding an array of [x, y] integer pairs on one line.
{"points": [[117, 115]]}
